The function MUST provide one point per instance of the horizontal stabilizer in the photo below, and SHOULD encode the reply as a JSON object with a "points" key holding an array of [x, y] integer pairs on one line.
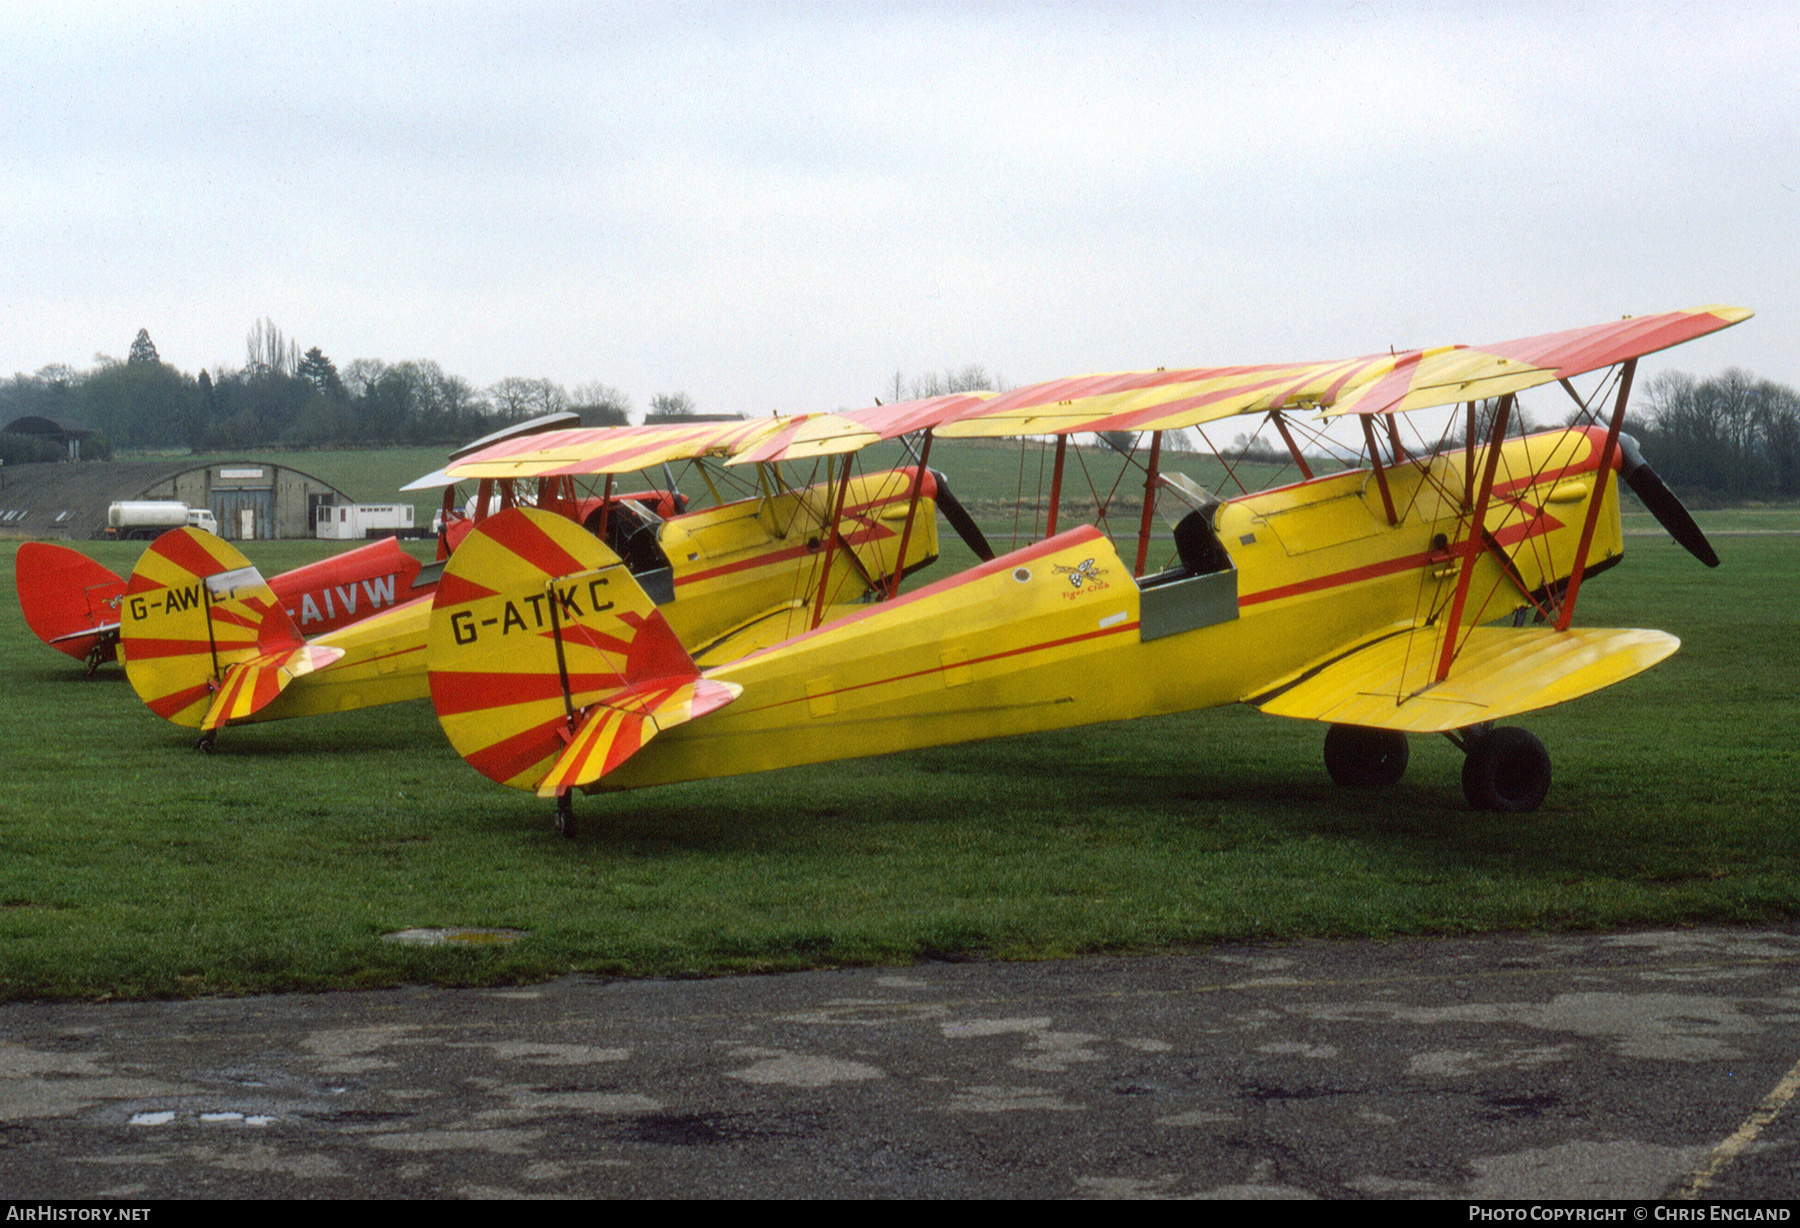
{"points": [[251, 685], [99, 631], [1500, 671], [618, 725]]}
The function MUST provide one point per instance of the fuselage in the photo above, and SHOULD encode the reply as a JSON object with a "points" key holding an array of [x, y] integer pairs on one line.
{"points": [[734, 577], [1061, 634]]}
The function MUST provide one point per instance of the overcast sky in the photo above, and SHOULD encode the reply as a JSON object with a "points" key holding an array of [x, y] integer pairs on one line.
{"points": [[777, 206]]}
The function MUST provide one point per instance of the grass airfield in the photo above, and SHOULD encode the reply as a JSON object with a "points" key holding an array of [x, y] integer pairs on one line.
{"points": [[136, 867]]}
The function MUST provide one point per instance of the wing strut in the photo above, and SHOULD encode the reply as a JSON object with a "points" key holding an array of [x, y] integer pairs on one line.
{"points": [[606, 498], [1469, 459], [1472, 545], [1062, 449], [912, 511], [1601, 474], [831, 538], [1387, 496], [1149, 501], [1293, 449]]}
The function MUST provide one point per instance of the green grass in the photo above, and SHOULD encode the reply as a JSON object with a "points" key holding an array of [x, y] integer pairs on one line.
{"points": [[134, 866]]}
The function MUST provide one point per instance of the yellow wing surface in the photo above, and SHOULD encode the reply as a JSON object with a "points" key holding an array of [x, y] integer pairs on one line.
{"points": [[1500, 672], [1378, 383]]}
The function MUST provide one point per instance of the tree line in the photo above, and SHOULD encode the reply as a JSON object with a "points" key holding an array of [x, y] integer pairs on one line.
{"points": [[281, 396], [1733, 436]]}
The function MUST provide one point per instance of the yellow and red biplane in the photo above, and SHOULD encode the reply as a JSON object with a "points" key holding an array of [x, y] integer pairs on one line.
{"points": [[208, 643], [1428, 592], [71, 602]]}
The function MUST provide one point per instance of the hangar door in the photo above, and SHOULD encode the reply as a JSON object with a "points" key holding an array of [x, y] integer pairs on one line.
{"points": [[244, 515]]}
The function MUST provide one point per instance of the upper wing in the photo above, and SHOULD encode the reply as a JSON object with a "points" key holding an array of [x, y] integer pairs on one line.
{"points": [[1129, 401], [1500, 672], [1378, 383], [615, 449], [1162, 400], [830, 434], [1447, 377]]}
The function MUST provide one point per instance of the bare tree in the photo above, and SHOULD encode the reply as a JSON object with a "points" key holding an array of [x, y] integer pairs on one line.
{"points": [[600, 404], [361, 374], [930, 384], [973, 377], [671, 405], [267, 351], [1733, 433], [516, 398]]}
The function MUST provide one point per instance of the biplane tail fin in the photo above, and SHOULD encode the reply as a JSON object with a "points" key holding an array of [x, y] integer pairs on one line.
{"points": [[205, 641], [69, 601], [549, 664], [1498, 672]]}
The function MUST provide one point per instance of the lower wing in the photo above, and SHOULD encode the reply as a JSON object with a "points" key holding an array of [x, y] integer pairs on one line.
{"points": [[1500, 672]]}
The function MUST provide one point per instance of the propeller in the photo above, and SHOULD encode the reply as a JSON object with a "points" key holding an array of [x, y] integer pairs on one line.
{"points": [[1661, 501]]}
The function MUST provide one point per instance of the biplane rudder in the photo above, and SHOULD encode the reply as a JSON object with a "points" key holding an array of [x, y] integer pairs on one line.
{"points": [[69, 601], [193, 609], [549, 664]]}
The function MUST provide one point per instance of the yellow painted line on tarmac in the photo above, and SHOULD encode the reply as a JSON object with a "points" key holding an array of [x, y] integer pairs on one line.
{"points": [[1742, 1137]]}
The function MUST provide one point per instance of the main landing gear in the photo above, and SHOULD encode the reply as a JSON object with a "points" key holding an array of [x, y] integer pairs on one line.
{"points": [[1361, 758], [1505, 768]]}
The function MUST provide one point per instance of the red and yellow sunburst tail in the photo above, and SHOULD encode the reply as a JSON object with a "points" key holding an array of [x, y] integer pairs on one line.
{"points": [[617, 725], [69, 601], [193, 609], [549, 664]]}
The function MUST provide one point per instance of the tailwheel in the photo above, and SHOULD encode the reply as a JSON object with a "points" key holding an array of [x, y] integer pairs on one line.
{"points": [[565, 814], [206, 741], [1362, 758], [1506, 769]]}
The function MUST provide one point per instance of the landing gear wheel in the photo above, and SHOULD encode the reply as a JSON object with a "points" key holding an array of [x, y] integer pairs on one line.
{"points": [[1507, 769], [1361, 758], [565, 815], [206, 741]]}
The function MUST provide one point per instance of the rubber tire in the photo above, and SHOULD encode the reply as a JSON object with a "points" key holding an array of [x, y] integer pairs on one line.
{"points": [[565, 817], [1506, 769], [1362, 758]]}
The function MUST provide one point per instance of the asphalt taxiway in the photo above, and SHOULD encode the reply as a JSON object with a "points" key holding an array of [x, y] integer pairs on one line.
{"points": [[1636, 1065]]}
